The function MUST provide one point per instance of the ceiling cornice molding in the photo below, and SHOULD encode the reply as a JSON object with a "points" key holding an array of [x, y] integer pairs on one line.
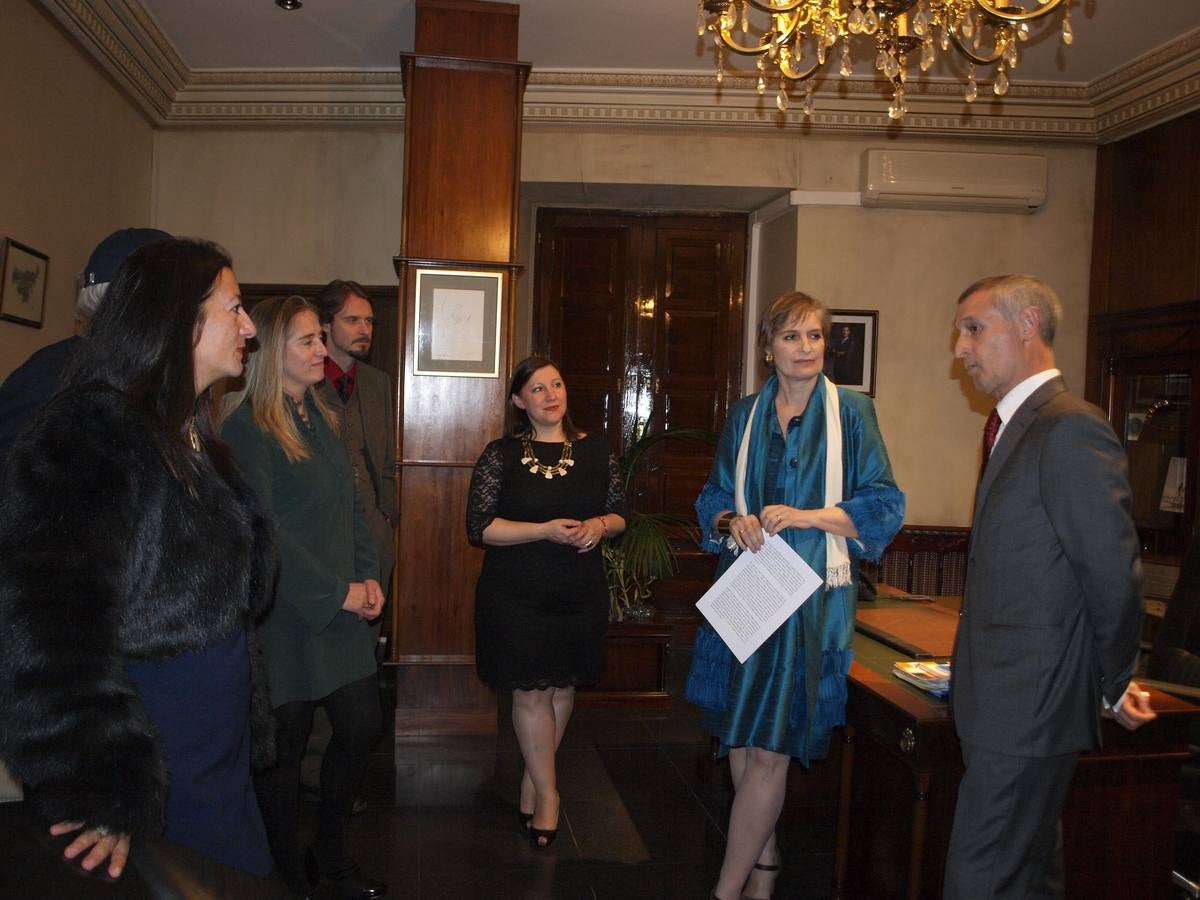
{"points": [[707, 85], [127, 43], [1035, 112], [1148, 65], [284, 97], [124, 39], [299, 77], [1150, 90]]}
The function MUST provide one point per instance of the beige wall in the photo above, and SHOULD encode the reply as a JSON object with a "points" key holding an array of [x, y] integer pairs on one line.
{"points": [[777, 243], [290, 205], [908, 265], [74, 163]]}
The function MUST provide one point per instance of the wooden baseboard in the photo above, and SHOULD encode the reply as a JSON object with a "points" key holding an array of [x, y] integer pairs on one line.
{"points": [[431, 722], [635, 670]]}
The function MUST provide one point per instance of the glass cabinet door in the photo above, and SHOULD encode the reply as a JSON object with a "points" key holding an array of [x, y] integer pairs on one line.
{"points": [[1156, 424]]}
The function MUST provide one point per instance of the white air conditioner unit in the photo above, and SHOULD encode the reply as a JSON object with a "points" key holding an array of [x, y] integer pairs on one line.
{"points": [[931, 179]]}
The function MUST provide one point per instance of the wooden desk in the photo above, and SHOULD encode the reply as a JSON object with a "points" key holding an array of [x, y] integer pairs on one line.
{"points": [[900, 770]]}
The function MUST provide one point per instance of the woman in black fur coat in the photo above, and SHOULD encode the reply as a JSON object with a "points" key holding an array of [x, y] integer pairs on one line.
{"points": [[133, 562]]}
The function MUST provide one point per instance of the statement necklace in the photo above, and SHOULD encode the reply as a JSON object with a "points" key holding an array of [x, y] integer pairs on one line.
{"points": [[536, 468]]}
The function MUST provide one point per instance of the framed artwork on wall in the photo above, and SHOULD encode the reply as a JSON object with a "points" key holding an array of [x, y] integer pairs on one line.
{"points": [[850, 351], [23, 284], [458, 323]]}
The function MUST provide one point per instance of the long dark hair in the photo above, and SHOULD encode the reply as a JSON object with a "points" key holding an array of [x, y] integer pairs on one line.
{"points": [[516, 420], [142, 341]]}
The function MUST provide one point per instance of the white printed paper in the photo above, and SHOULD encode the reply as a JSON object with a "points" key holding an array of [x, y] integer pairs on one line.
{"points": [[1174, 486], [457, 331], [757, 594]]}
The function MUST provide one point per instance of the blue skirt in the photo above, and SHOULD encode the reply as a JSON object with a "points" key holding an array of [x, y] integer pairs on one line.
{"points": [[200, 703]]}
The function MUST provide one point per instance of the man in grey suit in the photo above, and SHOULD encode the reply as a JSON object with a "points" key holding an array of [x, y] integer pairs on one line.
{"points": [[362, 397], [1048, 638]]}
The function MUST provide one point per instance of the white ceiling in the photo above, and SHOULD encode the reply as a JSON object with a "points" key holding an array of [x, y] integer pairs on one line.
{"points": [[643, 36]]}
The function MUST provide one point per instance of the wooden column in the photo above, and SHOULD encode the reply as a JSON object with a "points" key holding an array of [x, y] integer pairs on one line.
{"points": [[462, 139]]}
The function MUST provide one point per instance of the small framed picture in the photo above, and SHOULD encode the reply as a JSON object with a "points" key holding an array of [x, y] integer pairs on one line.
{"points": [[23, 288], [850, 350], [458, 323]]}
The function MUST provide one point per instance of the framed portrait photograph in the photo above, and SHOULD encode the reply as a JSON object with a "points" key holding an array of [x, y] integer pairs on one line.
{"points": [[23, 288], [458, 323], [850, 350]]}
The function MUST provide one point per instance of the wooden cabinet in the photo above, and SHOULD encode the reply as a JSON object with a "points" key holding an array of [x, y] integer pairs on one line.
{"points": [[1144, 322], [1151, 392]]}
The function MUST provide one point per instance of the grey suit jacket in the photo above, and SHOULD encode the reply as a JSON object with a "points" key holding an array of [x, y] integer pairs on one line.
{"points": [[374, 389], [1052, 607]]}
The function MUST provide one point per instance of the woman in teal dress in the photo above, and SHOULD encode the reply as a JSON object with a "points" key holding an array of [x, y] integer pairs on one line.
{"points": [[318, 646], [803, 459]]}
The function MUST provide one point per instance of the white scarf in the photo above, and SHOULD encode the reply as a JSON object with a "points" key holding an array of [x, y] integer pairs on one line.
{"points": [[837, 557]]}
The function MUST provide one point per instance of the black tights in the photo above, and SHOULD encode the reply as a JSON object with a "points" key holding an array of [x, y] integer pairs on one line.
{"points": [[355, 715]]}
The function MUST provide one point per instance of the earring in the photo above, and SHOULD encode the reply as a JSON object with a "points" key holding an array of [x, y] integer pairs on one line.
{"points": [[769, 358]]}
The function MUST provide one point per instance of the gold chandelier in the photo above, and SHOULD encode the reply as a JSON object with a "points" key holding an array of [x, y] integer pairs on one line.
{"points": [[798, 37]]}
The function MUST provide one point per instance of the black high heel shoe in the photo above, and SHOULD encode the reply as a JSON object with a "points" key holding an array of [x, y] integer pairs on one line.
{"points": [[541, 838], [348, 884], [526, 820]]}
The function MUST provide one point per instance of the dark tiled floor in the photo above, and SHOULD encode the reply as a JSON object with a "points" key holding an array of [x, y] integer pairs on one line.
{"points": [[644, 814], [644, 811]]}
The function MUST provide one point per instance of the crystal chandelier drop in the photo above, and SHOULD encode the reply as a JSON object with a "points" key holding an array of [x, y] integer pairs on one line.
{"points": [[793, 39]]}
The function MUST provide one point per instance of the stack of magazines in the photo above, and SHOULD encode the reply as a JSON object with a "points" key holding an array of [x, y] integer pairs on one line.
{"points": [[930, 676]]}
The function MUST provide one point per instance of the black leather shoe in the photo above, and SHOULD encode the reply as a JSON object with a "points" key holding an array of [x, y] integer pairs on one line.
{"points": [[347, 884], [355, 886]]}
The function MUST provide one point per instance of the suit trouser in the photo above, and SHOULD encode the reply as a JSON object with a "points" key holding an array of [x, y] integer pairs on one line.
{"points": [[1006, 841]]}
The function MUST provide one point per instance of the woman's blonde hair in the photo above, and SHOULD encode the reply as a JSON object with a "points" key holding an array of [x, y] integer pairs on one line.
{"points": [[264, 377]]}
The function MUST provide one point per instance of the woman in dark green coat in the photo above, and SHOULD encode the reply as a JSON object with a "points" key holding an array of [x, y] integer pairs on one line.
{"points": [[319, 650]]}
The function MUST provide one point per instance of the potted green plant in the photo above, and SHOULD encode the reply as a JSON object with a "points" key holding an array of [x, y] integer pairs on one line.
{"points": [[643, 553]]}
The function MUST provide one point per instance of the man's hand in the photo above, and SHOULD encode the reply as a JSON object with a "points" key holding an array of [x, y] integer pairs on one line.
{"points": [[1134, 711]]}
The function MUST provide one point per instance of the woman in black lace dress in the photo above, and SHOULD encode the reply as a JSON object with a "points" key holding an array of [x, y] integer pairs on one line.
{"points": [[542, 499]]}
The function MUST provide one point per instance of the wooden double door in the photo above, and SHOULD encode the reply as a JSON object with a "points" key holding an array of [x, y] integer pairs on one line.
{"points": [[644, 313]]}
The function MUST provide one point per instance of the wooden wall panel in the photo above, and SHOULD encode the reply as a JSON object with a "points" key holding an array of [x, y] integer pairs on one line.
{"points": [[436, 589], [463, 93], [1146, 241], [437, 698], [446, 204], [467, 28]]}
